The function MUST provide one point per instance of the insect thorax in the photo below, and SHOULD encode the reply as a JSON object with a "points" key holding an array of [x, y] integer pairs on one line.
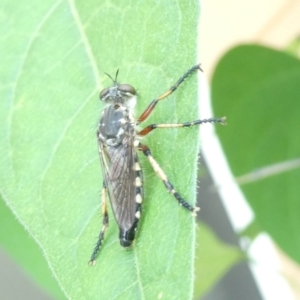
{"points": [[115, 123]]}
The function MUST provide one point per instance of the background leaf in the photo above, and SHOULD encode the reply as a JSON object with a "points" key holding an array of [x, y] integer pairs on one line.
{"points": [[259, 89], [29, 255], [56, 55], [213, 259]]}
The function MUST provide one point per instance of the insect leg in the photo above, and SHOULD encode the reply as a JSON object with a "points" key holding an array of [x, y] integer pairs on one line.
{"points": [[151, 106], [151, 127], [169, 186], [92, 261]]}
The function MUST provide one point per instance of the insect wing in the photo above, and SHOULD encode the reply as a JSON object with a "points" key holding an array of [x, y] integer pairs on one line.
{"points": [[119, 176]]}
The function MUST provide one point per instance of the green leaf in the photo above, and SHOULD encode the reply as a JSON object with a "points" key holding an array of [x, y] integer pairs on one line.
{"points": [[251, 231], [56, 54], [213, 259], [258, 89], [294, 47]]}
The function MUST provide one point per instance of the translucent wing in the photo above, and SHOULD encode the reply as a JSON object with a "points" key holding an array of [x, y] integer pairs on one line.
{"points": [[119, 177]]}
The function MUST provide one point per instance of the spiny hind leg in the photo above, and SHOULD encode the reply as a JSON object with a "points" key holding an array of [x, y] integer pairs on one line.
{"points": [[105, 223], [169, 186]]}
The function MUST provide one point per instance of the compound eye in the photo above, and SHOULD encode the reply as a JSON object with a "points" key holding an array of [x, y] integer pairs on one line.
{"points": [[127, 88], [103, 93]]}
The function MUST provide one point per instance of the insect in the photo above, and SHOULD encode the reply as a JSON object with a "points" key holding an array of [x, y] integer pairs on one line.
{"points": [[119, 142]]}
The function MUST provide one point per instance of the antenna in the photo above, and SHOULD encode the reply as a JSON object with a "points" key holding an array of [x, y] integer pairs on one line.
{"points": [[113, 80]]}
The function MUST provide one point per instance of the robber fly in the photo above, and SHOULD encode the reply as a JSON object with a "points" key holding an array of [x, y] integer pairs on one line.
{"points": [[119, 142]]}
